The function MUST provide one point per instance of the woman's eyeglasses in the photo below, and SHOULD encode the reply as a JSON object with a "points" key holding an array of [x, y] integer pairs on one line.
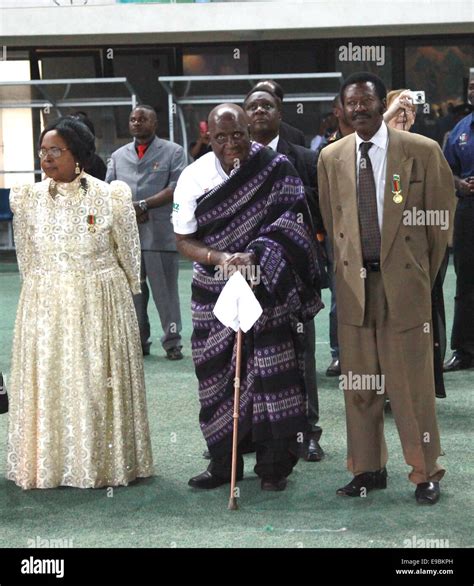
{"points": [[55, 152]]}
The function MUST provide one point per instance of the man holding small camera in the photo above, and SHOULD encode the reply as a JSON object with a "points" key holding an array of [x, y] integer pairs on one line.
{"points": [[459, 152]]}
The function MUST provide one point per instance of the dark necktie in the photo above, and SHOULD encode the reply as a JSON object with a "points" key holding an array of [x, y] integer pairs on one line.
{"points": [[141, 148], [367, 200]]}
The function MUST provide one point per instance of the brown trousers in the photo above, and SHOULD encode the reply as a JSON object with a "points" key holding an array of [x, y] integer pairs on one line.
{"points": [[405, 361]]}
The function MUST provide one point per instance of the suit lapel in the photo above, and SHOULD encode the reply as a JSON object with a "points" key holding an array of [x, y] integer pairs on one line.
{"points": [[132, 151], [284, 149], [397, 164], [347, 188], [152, 149]]}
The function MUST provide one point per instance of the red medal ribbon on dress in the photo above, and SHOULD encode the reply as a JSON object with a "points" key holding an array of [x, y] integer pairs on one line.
{"points": [[91, 222]]}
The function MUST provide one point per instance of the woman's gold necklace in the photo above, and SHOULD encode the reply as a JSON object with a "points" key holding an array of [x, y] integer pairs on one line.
{"points": [[53, 188], [83, 187]]}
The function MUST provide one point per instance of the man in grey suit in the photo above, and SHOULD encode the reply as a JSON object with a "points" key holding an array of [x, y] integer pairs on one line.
{"points": [[151, 167]]}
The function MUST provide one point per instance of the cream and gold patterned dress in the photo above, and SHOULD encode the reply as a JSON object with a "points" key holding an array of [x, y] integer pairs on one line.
{"points": [[78, 412]]}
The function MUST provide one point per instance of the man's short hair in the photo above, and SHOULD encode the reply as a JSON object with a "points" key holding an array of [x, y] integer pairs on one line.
{"points": [[363, 77], [145, 107], [265, 91], [278, 90]]}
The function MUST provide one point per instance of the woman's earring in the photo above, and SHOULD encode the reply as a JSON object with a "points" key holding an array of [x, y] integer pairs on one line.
{"points": [[77, 170]]}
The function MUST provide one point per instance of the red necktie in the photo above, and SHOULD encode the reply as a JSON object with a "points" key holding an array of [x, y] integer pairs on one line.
{"points": [[141, 148]]}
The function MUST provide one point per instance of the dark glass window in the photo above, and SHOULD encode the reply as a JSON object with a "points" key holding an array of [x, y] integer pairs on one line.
{"points": [[223, 60]]}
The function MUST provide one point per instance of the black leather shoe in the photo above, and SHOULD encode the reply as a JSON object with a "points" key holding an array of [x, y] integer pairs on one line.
{"points": [[174, 353], [334, 369], [206, 455], [367, 480], [146, 350], [311, 451], [458, 362], [273, 484], [427, 493], [207, 480]]}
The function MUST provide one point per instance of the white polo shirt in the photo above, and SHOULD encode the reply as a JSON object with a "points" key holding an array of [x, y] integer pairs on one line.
{"points": [[378, 159], [197, 179]]}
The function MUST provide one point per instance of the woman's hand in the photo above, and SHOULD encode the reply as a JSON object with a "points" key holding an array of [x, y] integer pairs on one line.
{"points": [[401, 102]]}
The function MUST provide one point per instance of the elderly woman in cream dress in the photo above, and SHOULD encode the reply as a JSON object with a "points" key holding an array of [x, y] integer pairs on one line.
{"points": [[78, 412]]}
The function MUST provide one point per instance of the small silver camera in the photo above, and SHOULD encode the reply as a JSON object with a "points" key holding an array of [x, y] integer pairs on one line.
{"points": [[417, 97]]}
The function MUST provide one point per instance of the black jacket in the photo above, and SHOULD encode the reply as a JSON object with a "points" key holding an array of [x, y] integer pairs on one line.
{"points": [[304, 161], [292, 134]]}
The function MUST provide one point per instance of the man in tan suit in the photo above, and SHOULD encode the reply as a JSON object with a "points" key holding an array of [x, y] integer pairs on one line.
{"points": [[387, 202]]}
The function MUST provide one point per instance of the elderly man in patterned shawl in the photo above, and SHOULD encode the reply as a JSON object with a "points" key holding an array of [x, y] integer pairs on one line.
{"points": [[243, 205]]}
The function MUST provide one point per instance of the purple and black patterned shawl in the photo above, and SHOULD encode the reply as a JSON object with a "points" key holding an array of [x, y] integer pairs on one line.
{"points": [[260, 208]]}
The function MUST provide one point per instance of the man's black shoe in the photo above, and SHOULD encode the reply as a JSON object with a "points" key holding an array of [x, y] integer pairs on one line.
{"points": [[207, 480], [363, 483], [206, 455], [174, 353], [334, 369], [458, 362], [427, 493], [146, 350], [273, 484], [311, 451]]}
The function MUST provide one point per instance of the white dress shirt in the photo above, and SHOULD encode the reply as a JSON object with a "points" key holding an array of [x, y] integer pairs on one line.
{"points": [[378, 159], [274, 143]]}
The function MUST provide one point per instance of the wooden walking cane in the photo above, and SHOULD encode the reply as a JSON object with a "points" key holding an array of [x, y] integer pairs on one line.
{"points": [[238, 360]]}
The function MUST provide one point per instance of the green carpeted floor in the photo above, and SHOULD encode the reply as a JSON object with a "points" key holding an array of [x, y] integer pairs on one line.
{"points": [[164, 512]]}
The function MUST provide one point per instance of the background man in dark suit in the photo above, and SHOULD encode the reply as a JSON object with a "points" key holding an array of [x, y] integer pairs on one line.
{"points": [[151, 167], [287, 131], [264, 111]]}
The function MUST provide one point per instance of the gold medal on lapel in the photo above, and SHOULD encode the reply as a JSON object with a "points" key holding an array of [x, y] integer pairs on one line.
{"points": [[396, 189]]}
